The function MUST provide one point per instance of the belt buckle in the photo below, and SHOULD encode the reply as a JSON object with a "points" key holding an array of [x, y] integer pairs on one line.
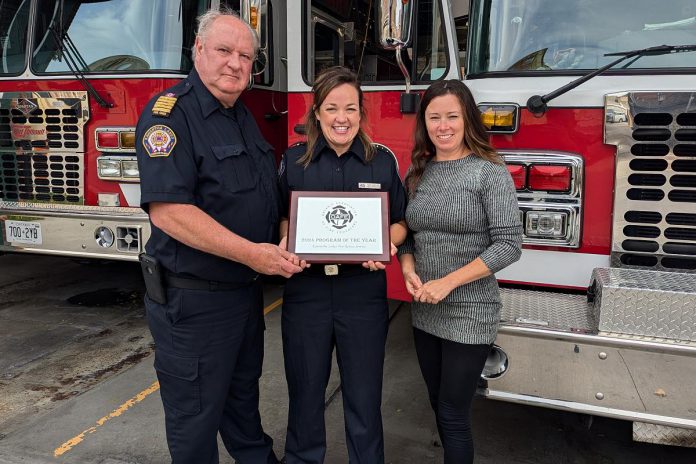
{"points": [[331, 269]]}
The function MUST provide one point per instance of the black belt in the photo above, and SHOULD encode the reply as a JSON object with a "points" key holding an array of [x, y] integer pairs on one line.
{"points": [[209, 285], [336, 269]]}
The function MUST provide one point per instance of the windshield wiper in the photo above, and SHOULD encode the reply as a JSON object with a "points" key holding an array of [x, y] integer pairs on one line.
{"points": [[537, 103], [73, 58]]}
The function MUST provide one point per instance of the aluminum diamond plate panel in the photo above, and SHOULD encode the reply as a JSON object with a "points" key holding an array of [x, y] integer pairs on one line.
{"points": [[649, 303], [663, 435], [557, 311]]}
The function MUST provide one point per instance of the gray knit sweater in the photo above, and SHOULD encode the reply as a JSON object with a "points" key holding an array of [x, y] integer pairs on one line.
{"points": [[463, 209]]}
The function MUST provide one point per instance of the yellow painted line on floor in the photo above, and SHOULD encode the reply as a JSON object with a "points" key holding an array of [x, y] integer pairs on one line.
{"points": [[68, 445], [272, 306]]}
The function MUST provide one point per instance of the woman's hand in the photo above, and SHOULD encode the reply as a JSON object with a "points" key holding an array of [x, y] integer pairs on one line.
{"points": [[434, 291], [413, 283], [374, 265], [392, 249], [377, 265]]}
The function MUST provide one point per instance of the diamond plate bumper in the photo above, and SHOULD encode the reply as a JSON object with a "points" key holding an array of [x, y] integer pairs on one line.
{"points": [[645, 303], [547, 310], [663, 435]]}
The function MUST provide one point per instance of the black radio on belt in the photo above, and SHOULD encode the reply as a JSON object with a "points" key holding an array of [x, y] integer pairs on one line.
{"points": [[154, 278]]}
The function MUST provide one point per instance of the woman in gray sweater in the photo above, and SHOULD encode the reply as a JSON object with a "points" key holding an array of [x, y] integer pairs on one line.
{"points": [[465, 226]]}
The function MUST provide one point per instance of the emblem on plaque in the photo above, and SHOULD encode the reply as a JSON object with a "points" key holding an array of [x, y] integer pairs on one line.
{"points": [[339, 217]]}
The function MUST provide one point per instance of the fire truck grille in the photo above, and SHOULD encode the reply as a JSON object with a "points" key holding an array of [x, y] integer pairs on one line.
{"points": [[655, 194], [37, 177], [42, 146]]}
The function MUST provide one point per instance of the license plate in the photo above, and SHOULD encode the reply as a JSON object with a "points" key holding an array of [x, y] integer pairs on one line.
{"points": [[23, 232]]}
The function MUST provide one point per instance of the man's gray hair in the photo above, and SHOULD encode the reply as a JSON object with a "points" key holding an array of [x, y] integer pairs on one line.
{"points": [[206, 20]]}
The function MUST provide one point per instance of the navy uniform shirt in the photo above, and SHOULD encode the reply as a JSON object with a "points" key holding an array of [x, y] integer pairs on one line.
{"points": [[350, 172], [212, 157]]}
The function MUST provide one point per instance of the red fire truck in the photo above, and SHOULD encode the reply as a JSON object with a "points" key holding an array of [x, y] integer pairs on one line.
{"points": [[591, 103]]}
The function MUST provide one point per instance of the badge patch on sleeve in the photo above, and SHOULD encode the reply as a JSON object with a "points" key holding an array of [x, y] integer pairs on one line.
{"points": [[159, 140]]}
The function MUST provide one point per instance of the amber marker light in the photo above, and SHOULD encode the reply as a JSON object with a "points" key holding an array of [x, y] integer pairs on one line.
{"points": [[127, 139], [499, 118], [254, 20]]}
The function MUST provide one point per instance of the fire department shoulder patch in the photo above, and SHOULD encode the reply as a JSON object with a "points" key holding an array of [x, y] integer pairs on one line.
{"points": [[159, 140]]}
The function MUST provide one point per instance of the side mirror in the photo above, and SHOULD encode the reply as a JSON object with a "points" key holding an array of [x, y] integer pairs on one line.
{"points": [[395, 18]]}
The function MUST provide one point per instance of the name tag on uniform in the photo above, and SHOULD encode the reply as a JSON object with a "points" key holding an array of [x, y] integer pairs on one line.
{"points": [[369, 185]]}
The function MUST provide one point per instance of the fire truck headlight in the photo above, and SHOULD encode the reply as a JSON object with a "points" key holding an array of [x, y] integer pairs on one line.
{"points": [[104, 237], [108, 167], [130, 169], [550, 224]]}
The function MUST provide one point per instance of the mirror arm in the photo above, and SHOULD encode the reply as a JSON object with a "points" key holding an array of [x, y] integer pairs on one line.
{"points": [[408, 102], [402, 66]]}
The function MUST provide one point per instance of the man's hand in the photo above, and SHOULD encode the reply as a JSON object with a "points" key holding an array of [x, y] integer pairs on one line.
{"points": [[284, 245], [273, 260], [434, 291]]}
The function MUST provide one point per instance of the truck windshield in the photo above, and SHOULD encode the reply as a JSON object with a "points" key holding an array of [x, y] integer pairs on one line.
{"points": [[561, 35], [117, 36], [14, 18]]}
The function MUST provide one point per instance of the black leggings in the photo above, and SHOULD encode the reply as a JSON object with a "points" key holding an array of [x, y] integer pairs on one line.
{"points": [[451, 371]]}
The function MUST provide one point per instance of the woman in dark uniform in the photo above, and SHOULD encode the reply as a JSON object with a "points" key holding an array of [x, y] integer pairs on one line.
{"points": [[348, 309]]}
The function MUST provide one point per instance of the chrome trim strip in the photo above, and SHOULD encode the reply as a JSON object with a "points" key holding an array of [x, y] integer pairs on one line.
{"points": [[571, 406], [683, 349], [74, 254], [66, 76], [48, 209]]}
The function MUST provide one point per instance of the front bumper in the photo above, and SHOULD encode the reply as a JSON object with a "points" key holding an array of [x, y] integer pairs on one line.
{"points": [[71, 230], [616, 356]]}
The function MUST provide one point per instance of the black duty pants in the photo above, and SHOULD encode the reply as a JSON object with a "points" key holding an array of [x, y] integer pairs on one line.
{"points": [[451, 372], [208, 356], [351, 313]]}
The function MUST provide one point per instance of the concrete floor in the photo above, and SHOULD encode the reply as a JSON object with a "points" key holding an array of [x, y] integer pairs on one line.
{"points": [[77, 385]]}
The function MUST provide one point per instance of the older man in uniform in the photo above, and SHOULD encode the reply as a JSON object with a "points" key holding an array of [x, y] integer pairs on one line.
{"points": [[208, 183]]}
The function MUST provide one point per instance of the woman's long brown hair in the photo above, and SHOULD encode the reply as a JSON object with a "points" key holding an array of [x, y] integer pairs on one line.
{"points": [[324, 83], [475, 135]]}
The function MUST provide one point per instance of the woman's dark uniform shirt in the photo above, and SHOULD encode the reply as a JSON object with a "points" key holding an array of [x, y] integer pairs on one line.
{"points": [[350, 172], [214, 158]]}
